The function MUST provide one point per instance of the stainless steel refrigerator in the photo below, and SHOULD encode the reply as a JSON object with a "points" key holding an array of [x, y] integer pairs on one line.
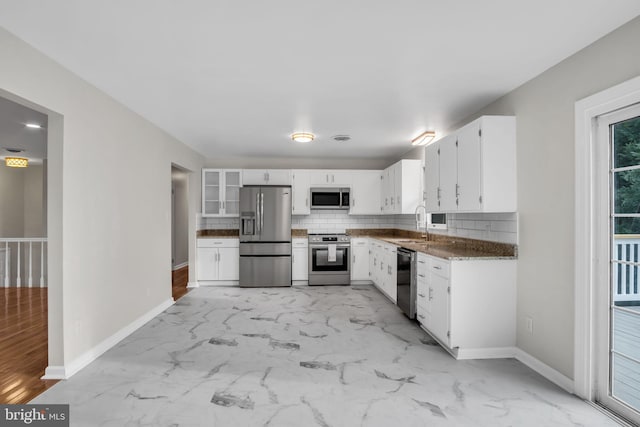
{"points": [[265, 236]]}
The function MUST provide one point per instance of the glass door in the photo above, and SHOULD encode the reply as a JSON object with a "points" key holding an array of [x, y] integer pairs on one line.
{"points": [[211, 190], [618, 314], [232, 184]]}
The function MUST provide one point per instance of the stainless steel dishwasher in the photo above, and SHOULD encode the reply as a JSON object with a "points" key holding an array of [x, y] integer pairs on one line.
{"points": [[406, 280]]}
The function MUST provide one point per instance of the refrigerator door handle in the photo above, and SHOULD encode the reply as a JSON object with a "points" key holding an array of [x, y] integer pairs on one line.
{"points": [[261, 211], [258, 212]]}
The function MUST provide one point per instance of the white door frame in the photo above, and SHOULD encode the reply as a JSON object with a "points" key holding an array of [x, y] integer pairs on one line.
{"points": [[586, 233]]}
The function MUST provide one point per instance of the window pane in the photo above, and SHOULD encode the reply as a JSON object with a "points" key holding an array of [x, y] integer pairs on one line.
{"points": [[626, 143], [627, 191], [627, 226]]}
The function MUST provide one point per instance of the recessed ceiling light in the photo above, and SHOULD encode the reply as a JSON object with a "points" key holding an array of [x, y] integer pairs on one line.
{"points": [[302, 137], [33, 126], [424, 138]]}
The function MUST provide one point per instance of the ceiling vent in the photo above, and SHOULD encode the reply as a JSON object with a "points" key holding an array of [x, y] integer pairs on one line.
{"points": [[341, 138]]}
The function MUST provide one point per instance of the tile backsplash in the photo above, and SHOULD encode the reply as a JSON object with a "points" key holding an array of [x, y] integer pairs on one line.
{"points": [[496, 227]]}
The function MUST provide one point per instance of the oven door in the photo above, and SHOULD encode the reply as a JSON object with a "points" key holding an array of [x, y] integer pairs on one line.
{"points": [[319, 262]]}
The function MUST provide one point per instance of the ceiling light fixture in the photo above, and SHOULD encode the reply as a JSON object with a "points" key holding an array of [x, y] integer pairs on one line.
{"points": [[424, 138], [302, 137], [16, 162], [33, 126]]}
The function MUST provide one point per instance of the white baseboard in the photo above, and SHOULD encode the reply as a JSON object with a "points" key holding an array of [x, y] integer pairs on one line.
{"points": [[485, 353], [218, 283], [361, 282], [179, 266], [67, 371], [193, 285], [54, 373], [545, 370]]}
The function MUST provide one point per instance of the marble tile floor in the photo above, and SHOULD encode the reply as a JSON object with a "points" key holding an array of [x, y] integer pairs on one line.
{"points": [[303, 356]]}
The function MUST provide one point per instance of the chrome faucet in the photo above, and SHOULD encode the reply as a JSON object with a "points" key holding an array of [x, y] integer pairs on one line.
{"points": [[420, 226]]}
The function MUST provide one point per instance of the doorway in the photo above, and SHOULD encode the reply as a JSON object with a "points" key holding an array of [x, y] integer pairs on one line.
{"points": [[617, 293], [24, 275], [179, 231]]}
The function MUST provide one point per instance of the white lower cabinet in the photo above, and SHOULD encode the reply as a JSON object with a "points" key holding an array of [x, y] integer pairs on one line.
{"points": [[383, 269], [360, 259], [217, 261], [468, 305], [300, 260]]}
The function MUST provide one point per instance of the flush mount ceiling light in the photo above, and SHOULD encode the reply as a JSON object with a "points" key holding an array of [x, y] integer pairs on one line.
{"points": [[16, 162], [302, 137], [33, 126], [424, 138]]}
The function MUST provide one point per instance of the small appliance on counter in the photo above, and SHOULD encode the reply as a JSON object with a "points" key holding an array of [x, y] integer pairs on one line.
{"points": [[265, 236], [329, 259]]}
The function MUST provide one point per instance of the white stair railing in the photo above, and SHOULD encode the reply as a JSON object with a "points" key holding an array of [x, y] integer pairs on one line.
{"points": [[12, 252], [626, 271]]}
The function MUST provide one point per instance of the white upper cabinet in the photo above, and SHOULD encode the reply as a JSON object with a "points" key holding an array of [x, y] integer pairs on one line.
{"points": [[221, 192], [266, 177], [365, 192], [300, 184], [432, 177], [474, 168], [401, 191], [330, 178]]}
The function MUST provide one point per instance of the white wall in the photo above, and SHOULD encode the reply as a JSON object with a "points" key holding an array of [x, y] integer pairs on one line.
{"points": [[296, 163], [544, 108], [109, 201]]}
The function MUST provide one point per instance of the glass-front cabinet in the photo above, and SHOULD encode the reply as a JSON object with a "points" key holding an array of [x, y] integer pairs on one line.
{"points": [[221, 192]]}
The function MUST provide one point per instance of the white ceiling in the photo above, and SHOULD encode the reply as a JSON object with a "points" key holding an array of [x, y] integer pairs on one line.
{"points": [[15, 135], [236, 78]]}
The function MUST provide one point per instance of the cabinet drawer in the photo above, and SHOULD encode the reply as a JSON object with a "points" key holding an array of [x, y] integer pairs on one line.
{"points": [[439, 267], [218, 243], [422, 297], [299, 243], [422, 266], [422, 315]]}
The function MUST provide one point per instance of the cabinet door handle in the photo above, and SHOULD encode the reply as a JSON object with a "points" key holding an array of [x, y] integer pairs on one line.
{"points": [[398, 199], [353, 203], [438, 193], [430, 294], [421, 275], [421, 316], [422, 295], [437, 267], [268, 176], [306, 201], [421, 262], [354, 258], [327, 177], [457, 190]]}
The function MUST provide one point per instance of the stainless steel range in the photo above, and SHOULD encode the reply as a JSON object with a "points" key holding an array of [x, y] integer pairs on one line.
{"points": [[329, 259]]}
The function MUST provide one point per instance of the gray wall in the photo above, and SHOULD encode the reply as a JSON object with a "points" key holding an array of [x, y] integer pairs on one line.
{"points": [[109, 213], [544, 108], [22, 201]]}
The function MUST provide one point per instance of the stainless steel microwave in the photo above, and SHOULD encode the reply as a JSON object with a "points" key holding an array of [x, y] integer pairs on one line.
{"points": [[329, 198]]}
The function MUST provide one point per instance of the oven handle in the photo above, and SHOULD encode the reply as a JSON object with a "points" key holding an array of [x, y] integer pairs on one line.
{"points": [[325, 246]]}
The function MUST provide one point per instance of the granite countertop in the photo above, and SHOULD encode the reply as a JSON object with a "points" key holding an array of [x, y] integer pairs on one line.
{"points": [[222, 233], [234, 233], [441, 246]]}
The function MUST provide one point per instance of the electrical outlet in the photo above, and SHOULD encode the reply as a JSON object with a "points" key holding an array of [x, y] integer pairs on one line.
{"points": [[529, 322]]}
